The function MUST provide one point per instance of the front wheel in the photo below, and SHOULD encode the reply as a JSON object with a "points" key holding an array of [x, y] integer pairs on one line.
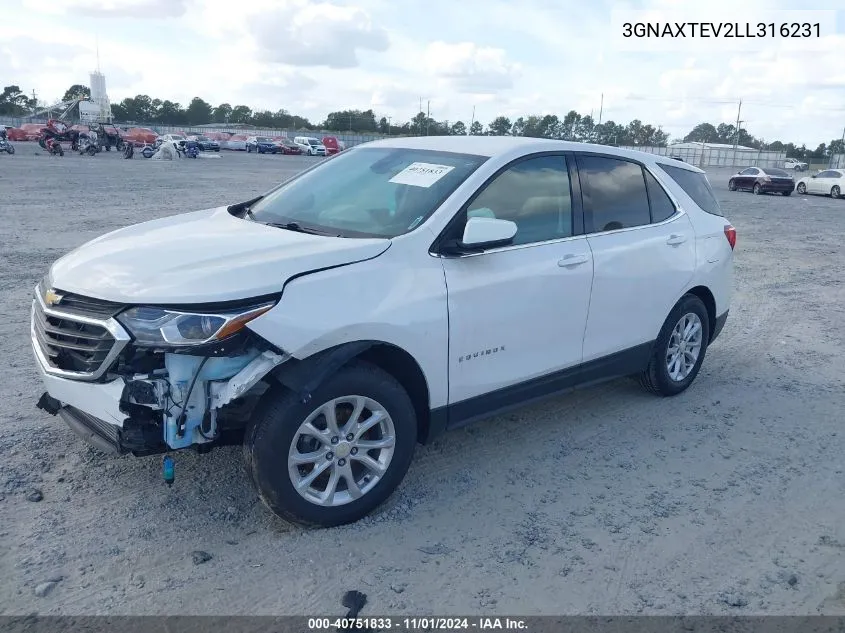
{"points": [[679, 349], [10, 149], [731, 185], [334, 459], [801, 188]]}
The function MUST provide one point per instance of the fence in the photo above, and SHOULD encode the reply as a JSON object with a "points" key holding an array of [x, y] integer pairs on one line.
{"points": [[718, 157], [837, 161], [348, 138]]}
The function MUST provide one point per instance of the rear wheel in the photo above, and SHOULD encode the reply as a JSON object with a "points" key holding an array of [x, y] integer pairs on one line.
{"points": [[679, 349], [757, 189], [334, 459], [10, 149], [835, 192], [801, 188]]}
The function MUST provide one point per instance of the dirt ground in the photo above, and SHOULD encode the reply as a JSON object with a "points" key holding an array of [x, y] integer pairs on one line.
{"points": [[725, 499]]}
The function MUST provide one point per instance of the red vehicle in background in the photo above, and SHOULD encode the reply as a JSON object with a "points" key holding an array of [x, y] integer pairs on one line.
{"points": [[16, 134], [333, 146], [288, 146], [139, 136]]}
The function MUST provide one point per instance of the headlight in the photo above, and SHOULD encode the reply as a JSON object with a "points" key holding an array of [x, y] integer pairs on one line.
{"points": [[156, 327]]}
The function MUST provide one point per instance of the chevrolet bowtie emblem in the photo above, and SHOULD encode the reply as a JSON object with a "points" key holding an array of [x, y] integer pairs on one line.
{"points": [[51, 297]]}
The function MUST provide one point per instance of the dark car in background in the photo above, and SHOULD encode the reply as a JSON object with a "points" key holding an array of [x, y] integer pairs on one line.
{"points": [[262, 145], [763, 180], [206, 144]]}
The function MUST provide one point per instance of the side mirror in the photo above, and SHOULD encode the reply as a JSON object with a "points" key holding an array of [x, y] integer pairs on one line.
{"points": [[813, 176], [482, 233]]}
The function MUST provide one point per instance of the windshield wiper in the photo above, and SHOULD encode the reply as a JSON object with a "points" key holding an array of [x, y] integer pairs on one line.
{"points": [[294, 226]]}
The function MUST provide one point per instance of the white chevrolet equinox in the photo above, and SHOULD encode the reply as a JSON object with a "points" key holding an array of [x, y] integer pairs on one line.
{"points": [[396, 290]]}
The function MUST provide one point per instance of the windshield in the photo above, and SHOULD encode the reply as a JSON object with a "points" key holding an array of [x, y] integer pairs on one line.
{"points": [[176, 137], [313, 141], [368, 192], [263, 139]]}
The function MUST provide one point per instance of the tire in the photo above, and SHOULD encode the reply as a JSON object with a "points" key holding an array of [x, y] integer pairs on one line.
{"points": [[657, 378], [835, 192], [801, 188], [757, 189], [92, 151], [60, 151], [786, 193], [274, 433], [731, 185], [147, 152], [10, 149]]}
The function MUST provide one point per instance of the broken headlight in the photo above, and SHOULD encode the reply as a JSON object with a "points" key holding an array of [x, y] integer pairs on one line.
{"points": [[159, 327]]}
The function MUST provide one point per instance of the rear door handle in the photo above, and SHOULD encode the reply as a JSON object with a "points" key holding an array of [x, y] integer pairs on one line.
{"points": [[674, 240], [573, 260]]}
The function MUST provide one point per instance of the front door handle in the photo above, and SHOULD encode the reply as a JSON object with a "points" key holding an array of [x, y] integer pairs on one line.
{"points": [[572, 260], [674, 240]]}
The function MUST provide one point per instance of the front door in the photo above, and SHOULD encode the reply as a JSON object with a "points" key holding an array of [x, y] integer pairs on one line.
{"points": [[518, 312]]}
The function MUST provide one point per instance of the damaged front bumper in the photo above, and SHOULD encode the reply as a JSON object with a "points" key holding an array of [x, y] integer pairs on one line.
{"points": [[173, 406]]}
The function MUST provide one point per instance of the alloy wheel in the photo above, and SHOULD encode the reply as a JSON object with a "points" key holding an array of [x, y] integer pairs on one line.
{"points": [[341, 450], [684, 347]]}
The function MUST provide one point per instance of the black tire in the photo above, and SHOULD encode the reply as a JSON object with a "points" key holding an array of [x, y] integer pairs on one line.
{"points": [[60, 151], [276, 420], [757, 189], [786, 193], [10, 149], [656, 377], [835, 192], [92, 151], [801, 188], [731, 185]]}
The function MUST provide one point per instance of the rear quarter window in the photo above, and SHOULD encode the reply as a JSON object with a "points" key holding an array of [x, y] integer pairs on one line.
{"points": [[696, 186]]}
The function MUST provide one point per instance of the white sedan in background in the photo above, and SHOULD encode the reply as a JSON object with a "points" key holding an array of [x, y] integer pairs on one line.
{"points": [[829, 182]]}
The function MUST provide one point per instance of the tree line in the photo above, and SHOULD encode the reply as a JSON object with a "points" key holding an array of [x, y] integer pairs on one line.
{"points": [[572, 127]]}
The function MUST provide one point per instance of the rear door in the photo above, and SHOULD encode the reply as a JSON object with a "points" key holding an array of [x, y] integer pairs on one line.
{"points": [[643, 256], [821, 183]]}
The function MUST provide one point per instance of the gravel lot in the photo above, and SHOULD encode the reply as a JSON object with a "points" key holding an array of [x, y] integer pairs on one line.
{"points": [[725, 499]]}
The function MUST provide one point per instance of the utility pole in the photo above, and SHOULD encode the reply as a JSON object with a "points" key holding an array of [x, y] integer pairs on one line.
{"points": [[350, 121], [388, 125], [736, 135], [601, 107], [473, 120], [427, 117]]}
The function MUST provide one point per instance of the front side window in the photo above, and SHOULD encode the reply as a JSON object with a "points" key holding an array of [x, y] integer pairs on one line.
{"points": [[533, 193], [614, 193], [368, 192]]}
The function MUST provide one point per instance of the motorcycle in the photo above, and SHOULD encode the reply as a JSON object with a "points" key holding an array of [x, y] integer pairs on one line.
{"points": [[148, 149], [5, 145], [88, 144], [190, 149], [53, 147]]}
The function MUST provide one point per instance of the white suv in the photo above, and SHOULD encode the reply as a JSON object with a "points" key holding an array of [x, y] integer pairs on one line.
{"points": [[401, 288]]}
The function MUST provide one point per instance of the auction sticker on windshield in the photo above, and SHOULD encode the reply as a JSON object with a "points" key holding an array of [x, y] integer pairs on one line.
{"points": [[421, 174]]}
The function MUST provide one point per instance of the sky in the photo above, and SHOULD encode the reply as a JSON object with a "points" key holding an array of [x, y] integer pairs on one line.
{"points": [[493, 57]]}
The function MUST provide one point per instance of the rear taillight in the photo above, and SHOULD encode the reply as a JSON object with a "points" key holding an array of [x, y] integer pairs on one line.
{"points": [[730, 233]]}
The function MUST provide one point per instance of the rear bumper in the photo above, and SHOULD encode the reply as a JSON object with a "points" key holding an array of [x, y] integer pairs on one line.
{"points": [[778, 187]]}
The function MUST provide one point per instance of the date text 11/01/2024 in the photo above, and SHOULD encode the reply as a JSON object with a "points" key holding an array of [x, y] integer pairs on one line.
{"points": [[721, 29]]}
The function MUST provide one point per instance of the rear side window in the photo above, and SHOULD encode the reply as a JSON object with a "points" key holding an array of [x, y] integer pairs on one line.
{"points": [[614, 194], [662, 207], [696, 186]]}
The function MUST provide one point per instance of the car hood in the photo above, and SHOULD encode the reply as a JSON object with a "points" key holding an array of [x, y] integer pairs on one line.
{"points": [[200, 257]]}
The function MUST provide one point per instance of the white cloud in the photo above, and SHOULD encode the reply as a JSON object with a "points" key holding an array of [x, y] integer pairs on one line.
{"points": [[150, 9], [316, 34], [469, 68]]}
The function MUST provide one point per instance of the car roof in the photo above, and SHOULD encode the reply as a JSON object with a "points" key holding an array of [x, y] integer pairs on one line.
{"points": [[493, 146]]}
